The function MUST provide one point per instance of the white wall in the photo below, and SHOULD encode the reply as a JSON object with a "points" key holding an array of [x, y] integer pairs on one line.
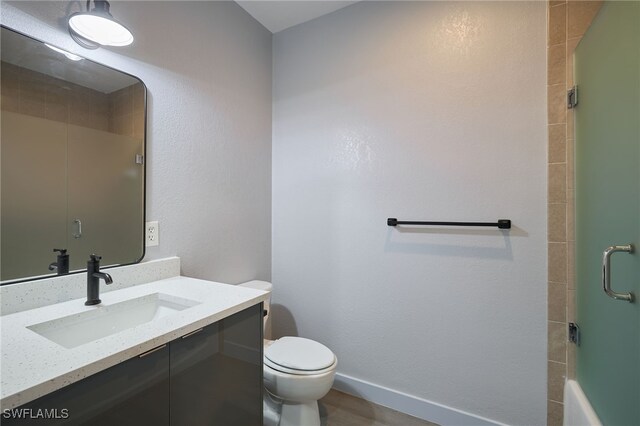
{"points": [[420, 111], [207, 66]]}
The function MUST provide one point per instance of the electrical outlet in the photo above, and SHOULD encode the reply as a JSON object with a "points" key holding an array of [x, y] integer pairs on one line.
{"points": [[152, 234]]}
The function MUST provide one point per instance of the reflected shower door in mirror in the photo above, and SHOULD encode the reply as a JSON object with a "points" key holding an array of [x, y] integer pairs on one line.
{"points": [[72, 160]]}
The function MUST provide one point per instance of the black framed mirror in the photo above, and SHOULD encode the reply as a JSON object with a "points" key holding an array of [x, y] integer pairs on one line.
{"points": [[72, 170]]}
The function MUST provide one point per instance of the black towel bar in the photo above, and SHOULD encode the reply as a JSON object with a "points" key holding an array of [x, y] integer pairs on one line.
{"points": [[501, 223]]}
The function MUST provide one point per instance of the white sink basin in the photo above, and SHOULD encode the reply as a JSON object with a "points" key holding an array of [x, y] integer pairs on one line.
{"points": [[103, 321]]}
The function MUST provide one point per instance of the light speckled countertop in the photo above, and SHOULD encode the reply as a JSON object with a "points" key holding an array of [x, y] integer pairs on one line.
{"points": [[33, 366]]}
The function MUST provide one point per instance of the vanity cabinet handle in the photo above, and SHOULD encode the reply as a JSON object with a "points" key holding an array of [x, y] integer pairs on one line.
{"points": [[142, 355], [192, 333]]}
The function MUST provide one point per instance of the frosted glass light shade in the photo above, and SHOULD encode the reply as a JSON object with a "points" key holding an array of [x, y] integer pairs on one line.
{"points": [[100, 29]]}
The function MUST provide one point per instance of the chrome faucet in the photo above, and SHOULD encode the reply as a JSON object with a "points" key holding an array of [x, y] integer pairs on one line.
{"points": [[93, 280]]}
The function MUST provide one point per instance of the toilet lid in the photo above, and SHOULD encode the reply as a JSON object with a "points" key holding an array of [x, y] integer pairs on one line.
{"points": [[298, 353]]}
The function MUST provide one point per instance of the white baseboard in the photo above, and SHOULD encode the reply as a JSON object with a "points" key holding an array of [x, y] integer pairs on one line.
{"points": [[409, 404]]}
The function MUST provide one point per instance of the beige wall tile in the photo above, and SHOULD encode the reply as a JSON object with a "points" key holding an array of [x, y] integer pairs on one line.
{"points": [[101, 105], [556, 64], [557, 24], [31, 104], [127, 124], [10, 87], [78, 102], [81, 118], [571, 216], [571, 306], [555, 411], [138, 98], [571, 45], [138, 125], [40, 95], [8, 67], [92, 121], [570, 128], [557, 222], [10, 77], [88, 108], [557, 262], [571, 265], [571, 163], [123, 124], [579, 16], [555, 3], [100, 122], [32, 94], [10, 103], [57, 105], [116, 124], [124, 101], [112, 105], [557, 341], [557, 143], [557, 183], [557, 104], [571, 361], [556, 373], [557, 294]]}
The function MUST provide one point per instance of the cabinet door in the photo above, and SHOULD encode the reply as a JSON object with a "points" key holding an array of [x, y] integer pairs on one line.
{"points": [[216, 373], [133, 393]]}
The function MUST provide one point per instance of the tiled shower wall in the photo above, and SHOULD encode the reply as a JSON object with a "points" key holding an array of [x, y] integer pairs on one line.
{"points": [[567, 22], [126, 111], [32, 93], [29, 92]]}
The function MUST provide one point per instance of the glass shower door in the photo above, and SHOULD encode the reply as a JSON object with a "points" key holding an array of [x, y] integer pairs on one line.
{"points": [[607, 132]]}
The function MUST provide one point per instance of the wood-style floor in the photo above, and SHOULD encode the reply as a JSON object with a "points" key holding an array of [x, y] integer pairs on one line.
{"points": [[341, 409]]}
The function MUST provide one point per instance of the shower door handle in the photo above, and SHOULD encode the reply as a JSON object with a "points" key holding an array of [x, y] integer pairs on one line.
{"points": [[606, 272], [78, 233]]}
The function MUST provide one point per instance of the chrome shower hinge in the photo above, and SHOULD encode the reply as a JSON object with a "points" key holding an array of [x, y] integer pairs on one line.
{"points": [[574, 333], [572, 97]]}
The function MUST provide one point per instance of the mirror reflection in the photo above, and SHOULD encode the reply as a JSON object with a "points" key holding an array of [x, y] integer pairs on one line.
{"points": [[72, 161]]}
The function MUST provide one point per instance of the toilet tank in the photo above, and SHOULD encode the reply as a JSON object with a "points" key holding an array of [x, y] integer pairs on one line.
{"points": [[264, 286]]}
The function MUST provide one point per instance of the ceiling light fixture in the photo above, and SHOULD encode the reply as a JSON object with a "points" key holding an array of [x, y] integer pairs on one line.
{"points": [[65, 53], [95, 28]]}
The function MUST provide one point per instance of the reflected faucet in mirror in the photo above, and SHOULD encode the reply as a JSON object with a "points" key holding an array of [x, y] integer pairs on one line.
{"points": [[93, 280], [61, 265]]}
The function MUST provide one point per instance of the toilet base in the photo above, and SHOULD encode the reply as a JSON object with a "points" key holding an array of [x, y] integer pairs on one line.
{"points": [[270, 410], [297, 414], [277, 413]]}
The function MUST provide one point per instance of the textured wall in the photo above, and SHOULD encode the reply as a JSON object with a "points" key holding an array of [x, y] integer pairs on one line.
{"points": [[423, 111], [209, 124]]}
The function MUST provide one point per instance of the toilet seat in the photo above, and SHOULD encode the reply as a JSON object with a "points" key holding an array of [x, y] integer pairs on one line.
{"points": [[299, 356]]}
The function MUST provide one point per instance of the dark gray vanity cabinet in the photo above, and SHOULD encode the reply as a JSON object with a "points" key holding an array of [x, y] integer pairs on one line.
{"points": [[210, 377], [216, 373], [135, 392]]}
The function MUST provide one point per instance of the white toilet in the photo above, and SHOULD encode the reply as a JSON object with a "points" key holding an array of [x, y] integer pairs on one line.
{"points": [[297, 373]]}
